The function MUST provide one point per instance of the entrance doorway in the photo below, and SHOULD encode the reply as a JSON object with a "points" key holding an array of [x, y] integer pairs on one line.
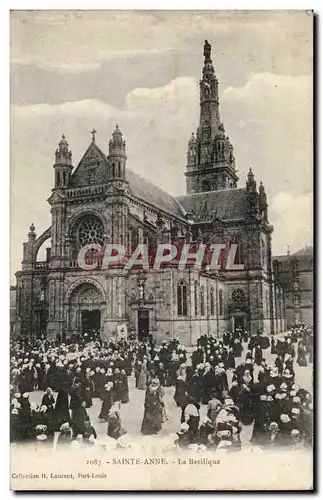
{"points": [[238, 322], [143, 323], [91, 322]]}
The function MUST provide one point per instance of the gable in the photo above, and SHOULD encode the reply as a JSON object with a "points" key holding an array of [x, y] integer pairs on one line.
{"points": [[93, 160]]}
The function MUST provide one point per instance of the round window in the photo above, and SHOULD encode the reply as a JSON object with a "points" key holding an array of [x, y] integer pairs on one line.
{"points": [[238, 296], [90, 231]]}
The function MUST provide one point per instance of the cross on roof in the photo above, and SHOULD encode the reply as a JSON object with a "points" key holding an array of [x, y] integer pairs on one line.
{"points": [[93, 132]]}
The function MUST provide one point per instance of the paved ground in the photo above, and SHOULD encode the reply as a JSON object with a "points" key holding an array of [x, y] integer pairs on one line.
{"points": [[132, 412]]}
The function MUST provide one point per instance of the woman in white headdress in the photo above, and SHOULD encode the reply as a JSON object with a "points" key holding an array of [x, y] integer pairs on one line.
{"points": [[115, 429], [66, 434]]}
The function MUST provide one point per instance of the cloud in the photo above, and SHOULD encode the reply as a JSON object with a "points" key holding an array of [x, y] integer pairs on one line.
{"points": [[293, 215], [271, 122], [54, 38]]}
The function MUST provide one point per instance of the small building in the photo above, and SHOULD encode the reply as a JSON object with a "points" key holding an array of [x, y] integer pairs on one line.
{"points": [[294, 273]]}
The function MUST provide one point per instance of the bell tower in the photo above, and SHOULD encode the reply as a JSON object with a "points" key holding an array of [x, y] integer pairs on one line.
{"points": [[117, 156], [63, 164], [210, 158]]}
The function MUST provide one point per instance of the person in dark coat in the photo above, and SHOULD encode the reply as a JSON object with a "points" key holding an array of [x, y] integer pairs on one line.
{"points": [[258, 355], [206, 429], [191, 415], [208, 383], [183, 436], [231, 362], [61, 412], [301, 355], [180, 392], [89, 434], [124, 387], [41, 376], [259, 433], [213, 408], [245, 400], [279, 363], [273, 346], [194, 387], [237, 348], [115, 429], [87, 388], [108, 401], [117, 384], [153, 412], [78, 419]]}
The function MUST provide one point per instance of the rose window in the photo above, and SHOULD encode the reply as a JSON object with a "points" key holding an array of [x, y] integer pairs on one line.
{"points": [[90, 231], [238, 296]]}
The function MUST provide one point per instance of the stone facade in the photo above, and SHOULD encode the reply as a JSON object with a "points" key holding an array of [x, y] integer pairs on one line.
{"points": [[101, 201], [294, 274]]}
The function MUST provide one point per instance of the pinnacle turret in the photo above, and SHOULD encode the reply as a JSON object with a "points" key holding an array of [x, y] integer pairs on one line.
{"points": [[62, 154], [117, 155], [63, 164]]}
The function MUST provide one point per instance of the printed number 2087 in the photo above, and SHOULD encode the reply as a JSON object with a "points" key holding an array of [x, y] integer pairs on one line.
{"points": [[95, 461]]}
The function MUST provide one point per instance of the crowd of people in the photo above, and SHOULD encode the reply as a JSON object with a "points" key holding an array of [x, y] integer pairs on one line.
{"points": [[221, 387]]}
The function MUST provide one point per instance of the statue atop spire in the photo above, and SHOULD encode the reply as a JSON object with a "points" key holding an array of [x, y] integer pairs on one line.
{"points": [[207, 50]]}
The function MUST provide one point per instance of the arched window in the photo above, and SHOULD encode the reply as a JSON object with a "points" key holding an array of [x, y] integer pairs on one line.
{"points": [[57, 179], [221, 302], [182, 299], [202, 301], [196, 298], [119, 169], [212, 308], [113, 170]]}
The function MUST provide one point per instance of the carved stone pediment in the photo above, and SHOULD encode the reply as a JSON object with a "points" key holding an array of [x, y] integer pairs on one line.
{"points": [[56, 197]]}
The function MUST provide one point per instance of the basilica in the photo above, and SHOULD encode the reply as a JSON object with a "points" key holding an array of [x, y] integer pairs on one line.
{"points": [[102, 200]]}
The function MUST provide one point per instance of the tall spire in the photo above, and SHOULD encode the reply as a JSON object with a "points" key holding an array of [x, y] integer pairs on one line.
{"points": [[209, 95], [210, 158]]}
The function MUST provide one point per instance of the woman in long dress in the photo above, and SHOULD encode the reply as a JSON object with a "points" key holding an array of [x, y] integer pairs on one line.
{"points": [[61, 413], [180, 392], [124, 389], [301, 355], [258, 355], [109, 398], [79, 417], [143, 376], [153, 414]]}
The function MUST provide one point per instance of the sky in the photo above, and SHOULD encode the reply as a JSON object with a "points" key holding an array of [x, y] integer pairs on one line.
{"points": [[75, 70]]}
